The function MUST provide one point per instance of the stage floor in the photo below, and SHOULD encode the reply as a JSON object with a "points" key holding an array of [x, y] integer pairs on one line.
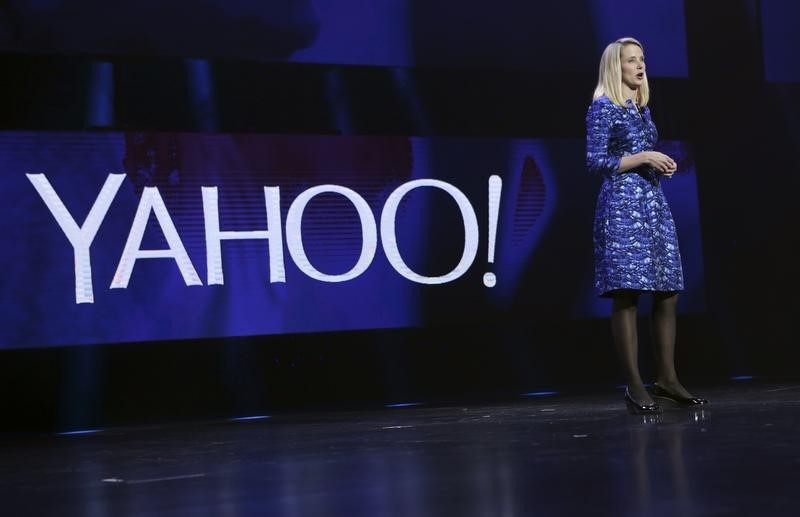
{"points": [[575, 454]]}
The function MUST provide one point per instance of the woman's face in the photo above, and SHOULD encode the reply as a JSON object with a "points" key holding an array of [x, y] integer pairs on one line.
{"points": [[632, 66]]}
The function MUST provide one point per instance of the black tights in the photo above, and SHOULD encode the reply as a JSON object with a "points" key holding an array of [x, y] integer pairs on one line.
{"points": [[662, 327]]}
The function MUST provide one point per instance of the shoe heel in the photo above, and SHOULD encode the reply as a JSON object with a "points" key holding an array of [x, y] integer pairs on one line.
{"points": [[636, 408], [661, 393]]}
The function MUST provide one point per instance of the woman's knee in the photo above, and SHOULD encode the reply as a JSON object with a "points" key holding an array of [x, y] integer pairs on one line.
{"points": [[665, 301]]}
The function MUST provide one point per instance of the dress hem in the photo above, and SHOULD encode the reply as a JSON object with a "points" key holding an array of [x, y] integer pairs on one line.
{"points": [[609, 293]]}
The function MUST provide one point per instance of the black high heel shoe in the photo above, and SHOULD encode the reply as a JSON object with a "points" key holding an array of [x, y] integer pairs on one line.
{"points": [[636, 408], [660, 392]]}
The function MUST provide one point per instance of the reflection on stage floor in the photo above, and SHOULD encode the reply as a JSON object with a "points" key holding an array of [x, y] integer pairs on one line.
{"points": [[549, 454]]}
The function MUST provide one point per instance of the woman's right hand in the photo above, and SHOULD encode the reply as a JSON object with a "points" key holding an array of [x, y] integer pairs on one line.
{"points": [[662, 163]]}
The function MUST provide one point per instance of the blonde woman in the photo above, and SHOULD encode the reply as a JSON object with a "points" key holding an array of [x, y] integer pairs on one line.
{"points": [[635, 244]]}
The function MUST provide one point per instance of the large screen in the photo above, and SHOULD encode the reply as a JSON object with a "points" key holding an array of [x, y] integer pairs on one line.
{"points": [[780, 39], [551, 37], [135, 236]]}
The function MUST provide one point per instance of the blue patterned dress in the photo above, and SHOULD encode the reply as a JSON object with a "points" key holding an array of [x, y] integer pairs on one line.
{"points": [[635, 244]]}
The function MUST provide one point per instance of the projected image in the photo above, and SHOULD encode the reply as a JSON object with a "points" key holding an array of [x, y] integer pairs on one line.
{"points": [[242, 29], [779, 37], [116, 237], [547, 36]]}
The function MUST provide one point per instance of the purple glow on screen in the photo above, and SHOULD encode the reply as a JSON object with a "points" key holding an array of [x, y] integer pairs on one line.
{"points": [[438, 188], [395, 33], [546, 36], [780, 39], [660, 26]]}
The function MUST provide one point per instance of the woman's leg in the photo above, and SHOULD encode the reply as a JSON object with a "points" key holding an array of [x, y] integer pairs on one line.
{"points": [[623, 329], [662, 327]]}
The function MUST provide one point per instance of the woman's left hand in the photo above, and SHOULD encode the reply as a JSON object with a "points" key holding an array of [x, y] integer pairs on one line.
{"points": [[672, 167]]}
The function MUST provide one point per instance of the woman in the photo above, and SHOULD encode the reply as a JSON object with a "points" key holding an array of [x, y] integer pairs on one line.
{"points": [[636, 248]]}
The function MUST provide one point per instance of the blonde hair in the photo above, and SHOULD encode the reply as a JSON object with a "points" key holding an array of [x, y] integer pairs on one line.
{"points": [[609, 81]]}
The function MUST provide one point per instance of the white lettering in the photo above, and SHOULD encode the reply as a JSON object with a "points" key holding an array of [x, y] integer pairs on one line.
{"points": [[79, 237], [389, 231], [214, 236], [151, 201], [294, 237]]}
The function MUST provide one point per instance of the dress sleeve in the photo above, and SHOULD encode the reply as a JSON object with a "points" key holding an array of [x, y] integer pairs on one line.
{"points": [[598, 133]]}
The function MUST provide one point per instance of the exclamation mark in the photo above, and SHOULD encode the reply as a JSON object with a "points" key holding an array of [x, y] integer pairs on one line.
{"points": [[495, 189]]}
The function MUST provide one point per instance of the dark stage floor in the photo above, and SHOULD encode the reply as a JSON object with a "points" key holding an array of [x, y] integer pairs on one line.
{"points": [[543, 455]]}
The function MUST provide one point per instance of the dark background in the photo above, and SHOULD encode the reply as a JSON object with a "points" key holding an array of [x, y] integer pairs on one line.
{"points": [[742, 127]]}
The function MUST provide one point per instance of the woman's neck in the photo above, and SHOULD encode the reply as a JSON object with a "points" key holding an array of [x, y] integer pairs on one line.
{"points": [[629, 93]]}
